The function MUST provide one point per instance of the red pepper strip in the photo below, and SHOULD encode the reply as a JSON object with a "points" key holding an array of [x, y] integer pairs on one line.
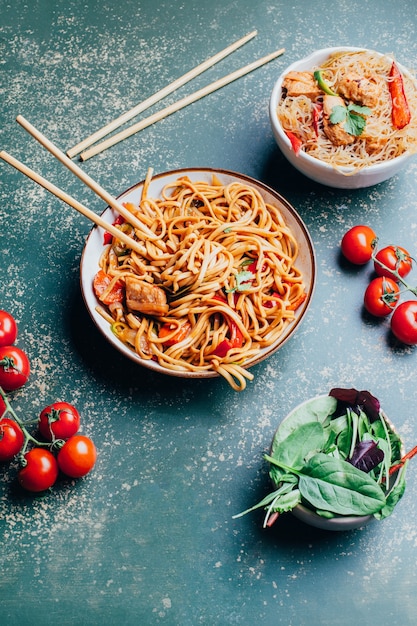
{"points": [[252, 267], [235, 339], [223, 348], [400, 113], [317, 111], [181, 333], [296, 143], [101, 282], [108, 237], [269, 304], [294, 306]]}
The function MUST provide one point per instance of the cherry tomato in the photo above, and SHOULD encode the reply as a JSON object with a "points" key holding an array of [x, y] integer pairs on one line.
{"points": [[358, 244], [59, 420], [404, 322], [11, 439], [77, 456], [2, 407], [381, 296], [40, 472], [8, 329], [14, 367], [394, 258]]}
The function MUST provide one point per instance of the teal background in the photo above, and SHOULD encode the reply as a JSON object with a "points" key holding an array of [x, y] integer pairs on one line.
{"points": [[148, 537]]}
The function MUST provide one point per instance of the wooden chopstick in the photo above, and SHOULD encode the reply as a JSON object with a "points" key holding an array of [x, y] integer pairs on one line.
{"points": [[180, 104], [62, 195], [159, 95], [102, 193]]}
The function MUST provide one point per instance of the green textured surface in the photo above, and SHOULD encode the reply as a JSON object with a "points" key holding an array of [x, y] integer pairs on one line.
{"points": [[148, 538]]}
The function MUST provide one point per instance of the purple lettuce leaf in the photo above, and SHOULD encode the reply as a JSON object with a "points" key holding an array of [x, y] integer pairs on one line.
{"points": [[358, 400], [366, 456]]}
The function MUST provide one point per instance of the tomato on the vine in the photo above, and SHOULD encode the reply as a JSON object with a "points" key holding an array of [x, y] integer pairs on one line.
{"points": [[11, 439], [59, 420], [40, 472], [381, 296], [77, 456], [393, 258], [8, 329], [14, 368], [404, 322], [358, 244]]}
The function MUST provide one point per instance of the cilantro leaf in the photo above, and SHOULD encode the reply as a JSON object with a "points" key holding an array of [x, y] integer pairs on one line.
{"points": [[338, 114], [359, 109], [355, 124], [353, 118]]}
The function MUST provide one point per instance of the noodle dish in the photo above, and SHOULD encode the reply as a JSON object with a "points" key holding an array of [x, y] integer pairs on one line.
{"points": [[346, 117], [221, 273]]}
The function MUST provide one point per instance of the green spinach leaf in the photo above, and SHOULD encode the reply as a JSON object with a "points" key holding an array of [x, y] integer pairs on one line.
{"points": [[302, 442], [317, 410], [335, 485]]}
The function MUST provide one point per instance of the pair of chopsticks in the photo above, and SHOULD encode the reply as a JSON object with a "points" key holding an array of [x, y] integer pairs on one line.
{"points": [[86, 152], [141, 229], [62, 195]]}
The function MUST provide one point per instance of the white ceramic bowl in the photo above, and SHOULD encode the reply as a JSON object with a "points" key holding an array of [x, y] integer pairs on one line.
{"points": [[94, 247], [339, 522], [314, 168]]}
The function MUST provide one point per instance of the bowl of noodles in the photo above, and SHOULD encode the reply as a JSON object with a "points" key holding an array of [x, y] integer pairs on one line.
{"points": [[215, 272], [346, 117]]}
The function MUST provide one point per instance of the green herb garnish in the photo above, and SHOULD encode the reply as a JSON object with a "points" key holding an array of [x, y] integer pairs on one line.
{"points": [[352, 116]]}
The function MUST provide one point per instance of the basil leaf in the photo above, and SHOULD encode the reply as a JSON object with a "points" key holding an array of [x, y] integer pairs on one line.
{"points": [[335, 485]]}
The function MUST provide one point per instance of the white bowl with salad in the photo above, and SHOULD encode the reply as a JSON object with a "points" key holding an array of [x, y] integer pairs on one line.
{"points": [[335, 462], [345, 117]]}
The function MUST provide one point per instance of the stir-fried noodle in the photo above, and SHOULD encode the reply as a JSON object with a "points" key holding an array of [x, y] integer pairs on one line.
{"points": [[215, 283]]}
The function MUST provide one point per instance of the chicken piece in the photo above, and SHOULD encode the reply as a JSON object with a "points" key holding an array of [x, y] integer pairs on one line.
{"points": [[301, 84], [374, 144], [145, 298], [359, 89], [335, 132]]}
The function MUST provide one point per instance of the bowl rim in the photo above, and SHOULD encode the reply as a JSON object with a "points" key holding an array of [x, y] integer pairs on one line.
{"points": [[276, 93], [338, 522], [90, 301]]}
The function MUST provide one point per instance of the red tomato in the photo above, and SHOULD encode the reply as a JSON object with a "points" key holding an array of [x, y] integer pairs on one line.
{"points": [[11, 439], [8, 329], [40, 472], [404, 322], [100, 284], [77, 456], [358, 244], [14, 368], [60, 420], [381, 296], [2, 407], [394, 258]]}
